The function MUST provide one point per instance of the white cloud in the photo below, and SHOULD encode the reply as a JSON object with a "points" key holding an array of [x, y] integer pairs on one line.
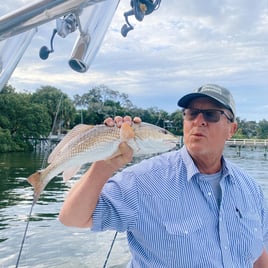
{"points": [[179, 47]]}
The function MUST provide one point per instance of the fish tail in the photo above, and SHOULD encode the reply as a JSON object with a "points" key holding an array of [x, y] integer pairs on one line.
{"points": [[36, 182]]}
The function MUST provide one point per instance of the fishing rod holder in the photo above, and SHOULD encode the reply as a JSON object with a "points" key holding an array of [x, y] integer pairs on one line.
{"points": [[64, 26]]}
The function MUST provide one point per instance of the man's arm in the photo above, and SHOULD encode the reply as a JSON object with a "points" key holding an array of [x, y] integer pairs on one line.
{"points": [[262, 261], [82, 199]]}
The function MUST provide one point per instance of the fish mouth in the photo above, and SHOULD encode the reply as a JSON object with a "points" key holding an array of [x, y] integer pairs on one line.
{"points": [[171, 143]]}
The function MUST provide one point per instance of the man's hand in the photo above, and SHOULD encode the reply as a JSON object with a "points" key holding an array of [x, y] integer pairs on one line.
{"points": [[122, 157], [118, 120], [124, 153]]}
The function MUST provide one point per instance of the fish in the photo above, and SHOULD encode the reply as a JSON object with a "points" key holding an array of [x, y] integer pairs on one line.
{"points": [[90, 143]]}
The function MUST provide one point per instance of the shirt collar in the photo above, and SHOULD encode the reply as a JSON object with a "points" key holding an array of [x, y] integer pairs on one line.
{"points": [[227, 171], [192, 169]]}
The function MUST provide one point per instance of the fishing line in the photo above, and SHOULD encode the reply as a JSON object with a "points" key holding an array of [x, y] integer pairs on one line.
{"points": [[25, 232], [49, 146], [110, 250], [34, 199]]}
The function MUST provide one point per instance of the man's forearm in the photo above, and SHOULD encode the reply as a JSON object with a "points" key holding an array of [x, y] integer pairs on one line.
{"points": [[262, 262], [82, 199]]}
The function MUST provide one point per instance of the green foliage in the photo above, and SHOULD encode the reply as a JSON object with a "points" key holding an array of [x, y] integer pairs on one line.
{"points": [[8, 89], [251, 129], [177, 119], [262, 129], [24, 116], [99, 103], [20, 119], [7, 143], [246, 129], [59, 107]]}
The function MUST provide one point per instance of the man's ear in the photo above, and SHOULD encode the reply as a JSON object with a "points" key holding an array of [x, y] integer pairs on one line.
{"points": [[233, 129]]}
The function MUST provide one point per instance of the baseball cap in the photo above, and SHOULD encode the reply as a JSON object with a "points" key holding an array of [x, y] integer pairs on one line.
{"points": [[215, 92]]}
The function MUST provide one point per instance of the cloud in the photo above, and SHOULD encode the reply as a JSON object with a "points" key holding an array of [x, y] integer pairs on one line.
{"points": [[179, 47]]}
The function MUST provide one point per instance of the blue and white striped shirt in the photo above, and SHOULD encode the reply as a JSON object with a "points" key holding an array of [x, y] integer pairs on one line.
{"points": [[172, 218]]}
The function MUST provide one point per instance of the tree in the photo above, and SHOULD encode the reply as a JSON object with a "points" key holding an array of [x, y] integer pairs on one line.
{"points": [[246, 129], [177, 119], [101, 102], [7, 144], [20, 119], [59, 106], [25, 115], [262, 129], [7, 89]]}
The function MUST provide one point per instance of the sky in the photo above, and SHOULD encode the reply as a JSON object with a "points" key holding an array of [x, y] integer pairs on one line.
{"points": [[176, 49]]}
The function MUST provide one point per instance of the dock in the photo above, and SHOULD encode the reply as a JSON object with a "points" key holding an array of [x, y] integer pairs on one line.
{"points": [[247, 142], [251, 143], [46, 143]]}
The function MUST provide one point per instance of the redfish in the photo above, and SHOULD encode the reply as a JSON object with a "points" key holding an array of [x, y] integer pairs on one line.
{"points": [[87, 144]]}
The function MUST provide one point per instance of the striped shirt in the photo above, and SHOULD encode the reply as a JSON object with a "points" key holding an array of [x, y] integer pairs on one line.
{"points": [[172, 218]]}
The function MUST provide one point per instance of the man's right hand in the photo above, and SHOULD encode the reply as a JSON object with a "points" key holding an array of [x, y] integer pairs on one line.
{"points": [[118, 120]]}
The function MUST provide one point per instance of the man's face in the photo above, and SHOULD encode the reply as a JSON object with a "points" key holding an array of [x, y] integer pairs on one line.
{"points": [[203, 138]]}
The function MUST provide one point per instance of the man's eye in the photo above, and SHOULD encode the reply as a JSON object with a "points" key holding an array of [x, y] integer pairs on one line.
{"points": [[210, 113], [194, 113]]}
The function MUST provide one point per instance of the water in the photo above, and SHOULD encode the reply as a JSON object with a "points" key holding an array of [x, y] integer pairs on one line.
{"points": [[50, 244]]}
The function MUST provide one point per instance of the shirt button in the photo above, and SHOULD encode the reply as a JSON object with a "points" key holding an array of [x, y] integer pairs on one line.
{"points": [[209, 193], [225, 247]]}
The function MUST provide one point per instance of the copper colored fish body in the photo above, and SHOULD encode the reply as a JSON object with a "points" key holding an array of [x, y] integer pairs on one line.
{"points": [[87, 144]]}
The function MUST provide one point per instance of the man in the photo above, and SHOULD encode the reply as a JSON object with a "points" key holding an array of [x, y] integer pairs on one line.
{"points": [[185, 208]]}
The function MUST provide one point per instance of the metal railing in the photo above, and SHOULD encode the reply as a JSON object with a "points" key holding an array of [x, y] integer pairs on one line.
{"points": [[247, 142]]}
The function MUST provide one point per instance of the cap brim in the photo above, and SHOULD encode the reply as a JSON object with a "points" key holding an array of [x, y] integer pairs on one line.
{"points": [[185, 100]]}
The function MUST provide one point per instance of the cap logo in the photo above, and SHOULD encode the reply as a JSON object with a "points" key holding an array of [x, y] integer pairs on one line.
{"points": [[211, 89]]}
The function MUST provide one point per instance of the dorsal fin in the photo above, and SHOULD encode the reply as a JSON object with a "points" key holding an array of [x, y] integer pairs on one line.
{"points": [[67, 138]]}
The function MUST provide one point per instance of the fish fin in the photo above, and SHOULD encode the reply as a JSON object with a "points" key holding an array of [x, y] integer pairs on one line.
{"points": [[70, 172], [134, 145], [79, 129], [37, 184], [126, 132]]}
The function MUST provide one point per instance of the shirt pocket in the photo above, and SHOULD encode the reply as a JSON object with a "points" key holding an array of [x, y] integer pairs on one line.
{"points": [[251, 237], [180, 218], [184, 227], [183, 236]]}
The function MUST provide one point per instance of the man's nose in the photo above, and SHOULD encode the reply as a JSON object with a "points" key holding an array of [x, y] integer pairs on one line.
{"points": [[200, 118]]}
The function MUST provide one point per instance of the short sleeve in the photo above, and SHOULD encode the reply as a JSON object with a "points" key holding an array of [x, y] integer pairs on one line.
{"points": [[117, 206]]}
